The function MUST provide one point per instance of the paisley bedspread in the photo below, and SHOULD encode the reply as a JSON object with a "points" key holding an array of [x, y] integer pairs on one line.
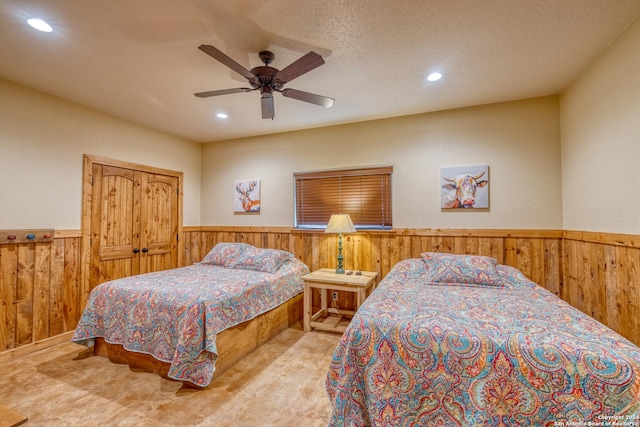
{"points": [[175, 315], [421, 354]]}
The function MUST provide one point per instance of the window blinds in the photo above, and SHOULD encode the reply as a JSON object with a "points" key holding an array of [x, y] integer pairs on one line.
{"points": [[364, 194]]}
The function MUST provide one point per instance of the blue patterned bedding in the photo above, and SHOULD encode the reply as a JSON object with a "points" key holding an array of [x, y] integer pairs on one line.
{"points": [[424, 350], [175, 315]]}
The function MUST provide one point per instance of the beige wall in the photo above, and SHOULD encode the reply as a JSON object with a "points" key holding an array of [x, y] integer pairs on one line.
{"points": [[600, 122], [42, 141], [520, 141], [43, 138]]}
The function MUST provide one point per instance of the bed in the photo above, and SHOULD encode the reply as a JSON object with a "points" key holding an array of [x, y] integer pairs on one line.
{"points": [[173, 321], [452, 340]]}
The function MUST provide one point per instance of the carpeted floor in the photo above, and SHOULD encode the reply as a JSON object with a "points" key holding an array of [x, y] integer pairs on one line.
{"points": [[280, 384]]}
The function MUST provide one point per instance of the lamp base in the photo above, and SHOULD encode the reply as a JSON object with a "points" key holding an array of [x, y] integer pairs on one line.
{"points": [[340, 269]]}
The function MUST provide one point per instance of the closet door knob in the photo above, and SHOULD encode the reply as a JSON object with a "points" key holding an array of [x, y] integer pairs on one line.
{"points": [[136, 250], [145, 250]]}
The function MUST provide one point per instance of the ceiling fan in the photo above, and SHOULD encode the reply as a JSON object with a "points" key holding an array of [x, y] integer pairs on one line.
{"points": [[267, 79]]}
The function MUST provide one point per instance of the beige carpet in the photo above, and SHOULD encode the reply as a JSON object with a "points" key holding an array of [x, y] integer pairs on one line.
{"points": [[280, 384]]}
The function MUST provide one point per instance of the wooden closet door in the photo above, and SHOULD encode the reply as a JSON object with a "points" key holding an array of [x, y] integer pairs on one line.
{"points": [[159, 222], [134, 223], [115, 221]]}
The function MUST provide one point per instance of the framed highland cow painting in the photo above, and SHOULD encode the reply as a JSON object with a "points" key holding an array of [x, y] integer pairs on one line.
{"points": [[464, 187]]}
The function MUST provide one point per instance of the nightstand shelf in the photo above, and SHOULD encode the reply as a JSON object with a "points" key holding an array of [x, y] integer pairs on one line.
{"points": [[325, 279]]}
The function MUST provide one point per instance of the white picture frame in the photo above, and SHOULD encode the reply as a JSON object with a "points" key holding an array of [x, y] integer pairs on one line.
{"points": [[246, 196]]}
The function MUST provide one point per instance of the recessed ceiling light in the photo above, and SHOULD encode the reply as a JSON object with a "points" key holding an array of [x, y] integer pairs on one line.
{"points": [[221, 116], [39, 24], [434, 77]]}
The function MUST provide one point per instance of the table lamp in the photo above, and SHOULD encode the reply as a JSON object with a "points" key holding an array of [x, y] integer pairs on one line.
{"points": [[340, 223]]}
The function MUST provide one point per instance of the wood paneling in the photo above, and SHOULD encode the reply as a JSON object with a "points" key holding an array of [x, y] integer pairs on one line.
{"points": [[602, 279], [39, 290], [42, 297], [536, 253], [598, 273]]}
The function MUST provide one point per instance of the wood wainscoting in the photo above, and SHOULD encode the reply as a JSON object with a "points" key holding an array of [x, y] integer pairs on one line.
{"points": [[602, 279], [40, 293], [599, 273], [536, 252]]}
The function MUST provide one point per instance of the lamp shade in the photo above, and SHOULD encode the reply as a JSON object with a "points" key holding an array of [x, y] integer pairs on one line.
{"points": [[340, 223]]}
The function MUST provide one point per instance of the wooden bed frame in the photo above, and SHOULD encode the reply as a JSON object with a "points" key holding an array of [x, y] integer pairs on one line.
{"points": [[233, 343]]}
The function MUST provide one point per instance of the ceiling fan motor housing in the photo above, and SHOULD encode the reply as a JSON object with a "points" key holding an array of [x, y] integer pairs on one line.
{"points": [[265, 77]]}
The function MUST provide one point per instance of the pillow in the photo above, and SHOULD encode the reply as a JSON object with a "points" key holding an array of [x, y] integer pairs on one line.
{"points": [[466, 269], [226, 254], [513, 278], [265, 260]]}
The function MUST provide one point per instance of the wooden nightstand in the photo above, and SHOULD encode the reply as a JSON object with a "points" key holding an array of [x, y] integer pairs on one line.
{"points": [[326, 279]]}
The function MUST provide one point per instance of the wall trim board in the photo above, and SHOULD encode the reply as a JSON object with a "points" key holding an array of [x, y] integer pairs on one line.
{"points": [[36, 346], [63, 234], [616, 239], [237, 229], [129, 165], [554, 234]]}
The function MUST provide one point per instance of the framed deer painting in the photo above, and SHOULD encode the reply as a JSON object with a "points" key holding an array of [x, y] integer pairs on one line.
{"points": [[246, 196], [464, 187]]}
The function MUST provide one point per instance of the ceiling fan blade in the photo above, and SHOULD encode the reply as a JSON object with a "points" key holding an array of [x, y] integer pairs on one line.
{"points": [[222, 92], [217, 54], [268, 110], [297, 68], [323, 101]]}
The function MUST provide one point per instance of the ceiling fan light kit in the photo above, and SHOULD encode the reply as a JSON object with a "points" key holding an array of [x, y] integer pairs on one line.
{"points": [[268, 79]]}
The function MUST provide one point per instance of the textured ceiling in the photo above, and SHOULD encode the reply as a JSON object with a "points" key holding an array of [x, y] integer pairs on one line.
{"points": [[139, 59]]}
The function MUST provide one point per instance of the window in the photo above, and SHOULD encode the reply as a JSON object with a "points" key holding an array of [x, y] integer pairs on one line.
{"points": [[364, 194]]}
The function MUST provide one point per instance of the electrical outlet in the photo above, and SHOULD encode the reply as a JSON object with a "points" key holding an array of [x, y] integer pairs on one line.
{"points": [[335, 296]]}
